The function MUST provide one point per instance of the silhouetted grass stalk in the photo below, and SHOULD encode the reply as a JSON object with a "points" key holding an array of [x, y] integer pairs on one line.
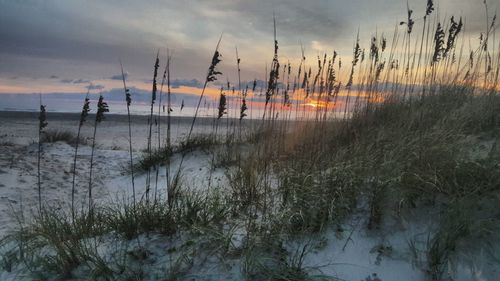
{"points": [[211, 76], [169, 111], [83, 117], [128, 101], [102, 107], [150, 123], [42, 118]]}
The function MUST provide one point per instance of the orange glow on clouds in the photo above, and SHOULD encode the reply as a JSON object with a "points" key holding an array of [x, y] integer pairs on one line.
{"points": [[30, 86], [316, 104], [209, 92]]}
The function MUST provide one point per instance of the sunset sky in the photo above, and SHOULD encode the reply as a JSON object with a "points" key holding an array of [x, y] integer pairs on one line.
{"points": [[55, 46]]}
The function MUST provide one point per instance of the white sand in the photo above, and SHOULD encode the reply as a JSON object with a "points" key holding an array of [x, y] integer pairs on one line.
{"points": [[355, 254]]}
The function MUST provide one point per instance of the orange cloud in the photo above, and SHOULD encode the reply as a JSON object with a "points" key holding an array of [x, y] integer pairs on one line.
{"points": [[30, 86]]}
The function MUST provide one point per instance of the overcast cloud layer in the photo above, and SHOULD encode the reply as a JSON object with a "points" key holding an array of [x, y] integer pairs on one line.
{"points": [[80, 40]]}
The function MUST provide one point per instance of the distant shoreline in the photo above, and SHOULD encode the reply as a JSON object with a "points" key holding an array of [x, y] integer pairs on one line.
{"points": [[143, 119], [76, 116], [113, 117]]}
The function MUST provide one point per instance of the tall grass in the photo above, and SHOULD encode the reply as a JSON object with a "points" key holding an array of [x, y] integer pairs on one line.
{"points": [[390, 132], [128, 100], [169, 120], [150, 122], [83, 118], [42, 123], [102, 107], [212, 74]]}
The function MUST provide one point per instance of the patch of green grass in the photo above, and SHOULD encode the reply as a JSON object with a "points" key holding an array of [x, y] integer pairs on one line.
{"points": [[156, 157], [314, 199], [269, 259], [246, 182], [51, 136], [53, 245], [196, 142]]}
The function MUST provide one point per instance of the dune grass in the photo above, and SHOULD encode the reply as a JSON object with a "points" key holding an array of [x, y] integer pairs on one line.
{"points": [[51, 136], [301, 189], [406, 138]]}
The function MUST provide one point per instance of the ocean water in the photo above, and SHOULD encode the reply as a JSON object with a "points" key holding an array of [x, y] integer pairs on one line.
{"points": [[31, 103]]}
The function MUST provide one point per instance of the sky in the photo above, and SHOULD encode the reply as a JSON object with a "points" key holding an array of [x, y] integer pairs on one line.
{"points": [[60, 46]]}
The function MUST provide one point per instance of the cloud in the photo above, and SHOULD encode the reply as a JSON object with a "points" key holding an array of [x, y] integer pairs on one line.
{"points": [[71, 102], [189, 83], [74, 38], [119, 76], [75, 81], [177, 83], [95, 87], [81, 81]]}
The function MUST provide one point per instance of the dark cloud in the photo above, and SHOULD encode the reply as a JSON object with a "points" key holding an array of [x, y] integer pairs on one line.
{"points": [[119, 76], [71, 102], [95, 87], [64, 36], [141, 96], [81, 81], [75, 81], [176, 83], [82, 37], [295, 20], [188, 83]]}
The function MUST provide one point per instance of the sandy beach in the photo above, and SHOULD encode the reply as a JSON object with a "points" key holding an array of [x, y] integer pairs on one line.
{"points": [[18, 159], [355, 255]]}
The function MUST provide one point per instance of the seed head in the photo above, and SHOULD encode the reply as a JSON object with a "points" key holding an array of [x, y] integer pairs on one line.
{"points": [[430, 8], [243, 108], [85, 110], [222, 104], [128, 97], [438, 43], [157, 65], [42, 118], [102, 107], [212, 72]]}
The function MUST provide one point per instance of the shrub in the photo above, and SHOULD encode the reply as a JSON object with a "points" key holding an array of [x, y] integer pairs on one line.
{"points": [[68, 137], [156, 157]]}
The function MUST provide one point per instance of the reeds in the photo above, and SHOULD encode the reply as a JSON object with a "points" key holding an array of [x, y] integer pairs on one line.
{"points": [[102, 107], [150, 122], [211, 77], [222, 104], [42, 123], [386, 150], [169, 111], [83, 118], [128, 101], [272, 84]]}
